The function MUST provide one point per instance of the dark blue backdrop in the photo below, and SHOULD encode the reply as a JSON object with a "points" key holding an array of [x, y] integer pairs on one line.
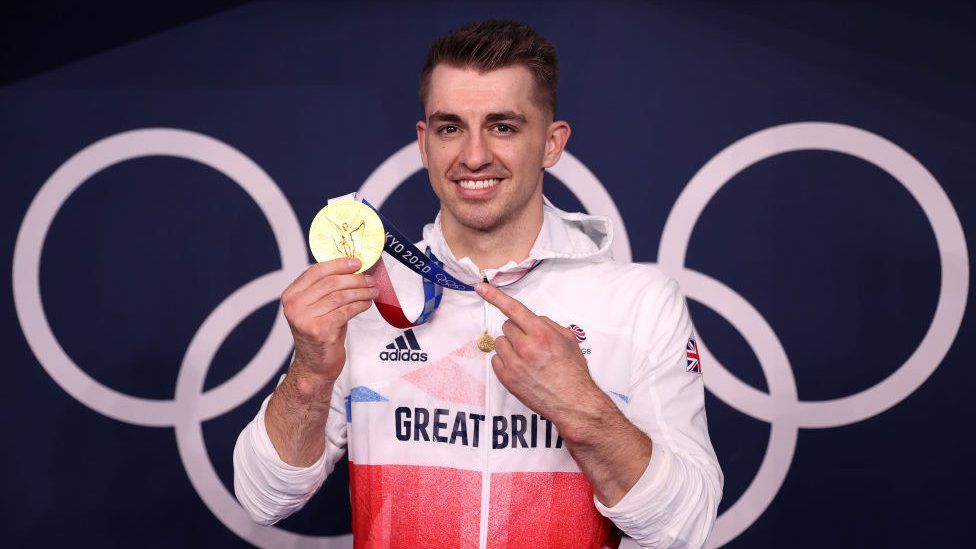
{"points": [[831, 250]]}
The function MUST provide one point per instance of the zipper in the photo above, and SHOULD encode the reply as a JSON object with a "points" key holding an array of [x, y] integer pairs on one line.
{"points": [[486, 472]]}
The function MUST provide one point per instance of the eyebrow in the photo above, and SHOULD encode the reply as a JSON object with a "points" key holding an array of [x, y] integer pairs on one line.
{"points": [[439, 116], [444, 117], [505, 116]]}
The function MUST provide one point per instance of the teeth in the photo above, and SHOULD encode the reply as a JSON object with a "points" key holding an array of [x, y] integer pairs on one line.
{"points": [[479, 184]]}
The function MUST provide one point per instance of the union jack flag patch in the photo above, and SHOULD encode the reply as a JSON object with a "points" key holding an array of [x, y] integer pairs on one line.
{"points": [[580, 333], [694, 359]]}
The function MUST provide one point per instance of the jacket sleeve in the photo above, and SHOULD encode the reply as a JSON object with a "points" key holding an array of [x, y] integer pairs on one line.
{"points": [[675, 501], [268, 488]]}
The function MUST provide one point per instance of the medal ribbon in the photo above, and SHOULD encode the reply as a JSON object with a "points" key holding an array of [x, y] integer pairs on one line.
{"points": [[405, 252], [435, 278]]}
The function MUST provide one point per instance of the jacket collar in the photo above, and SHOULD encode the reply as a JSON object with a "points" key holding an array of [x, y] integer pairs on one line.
{"points": [[564, 236]]}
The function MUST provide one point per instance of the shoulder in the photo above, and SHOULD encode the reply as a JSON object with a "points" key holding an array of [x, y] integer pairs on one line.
{"points": [[628, 296], [639, 279]]}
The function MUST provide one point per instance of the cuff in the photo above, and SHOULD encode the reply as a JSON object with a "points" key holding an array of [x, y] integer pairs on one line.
{"points": [[649, 488], [268, 456]]}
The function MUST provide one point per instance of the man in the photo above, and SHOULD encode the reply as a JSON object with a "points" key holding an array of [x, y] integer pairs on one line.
{"points": [[556, 438]]}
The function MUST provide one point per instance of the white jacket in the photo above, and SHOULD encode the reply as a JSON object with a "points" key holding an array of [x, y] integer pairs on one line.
{"points": [[442, 455]]}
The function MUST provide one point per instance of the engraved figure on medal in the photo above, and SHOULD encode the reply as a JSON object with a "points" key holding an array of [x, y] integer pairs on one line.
{"points": [[347, 242]]}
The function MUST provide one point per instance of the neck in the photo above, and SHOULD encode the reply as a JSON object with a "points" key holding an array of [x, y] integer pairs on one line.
{"points": [[493, 248]]}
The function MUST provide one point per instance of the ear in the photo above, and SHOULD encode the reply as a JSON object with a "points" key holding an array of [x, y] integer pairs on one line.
{"points": [[556, 140], [422, 141]]}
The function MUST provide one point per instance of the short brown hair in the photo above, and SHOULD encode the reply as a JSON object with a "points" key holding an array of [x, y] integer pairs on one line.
{"points": [[495, 44]]}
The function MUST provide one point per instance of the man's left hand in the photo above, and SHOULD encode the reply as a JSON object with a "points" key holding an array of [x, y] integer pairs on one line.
{"points": [[540, 362]]}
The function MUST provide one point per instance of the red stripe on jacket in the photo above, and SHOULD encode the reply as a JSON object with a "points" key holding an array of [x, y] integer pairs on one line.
{"points": [[420, 506]]}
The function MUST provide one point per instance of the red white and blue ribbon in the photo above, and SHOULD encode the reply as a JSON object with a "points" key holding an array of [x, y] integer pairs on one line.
{"points": [[435, 278]]}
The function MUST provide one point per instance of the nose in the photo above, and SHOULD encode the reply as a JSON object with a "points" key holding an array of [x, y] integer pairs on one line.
{"points": [[475, 153]]}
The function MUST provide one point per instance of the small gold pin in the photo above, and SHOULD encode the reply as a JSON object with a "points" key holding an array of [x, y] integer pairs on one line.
{"points": [[486, 343]]}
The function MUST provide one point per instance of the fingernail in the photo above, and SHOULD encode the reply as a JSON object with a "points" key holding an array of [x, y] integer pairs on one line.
{"points": [[353, 262], [370, 281], [481, 288]]}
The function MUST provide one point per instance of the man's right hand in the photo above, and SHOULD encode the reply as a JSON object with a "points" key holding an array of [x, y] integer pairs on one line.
{"points": [[318, 305]]}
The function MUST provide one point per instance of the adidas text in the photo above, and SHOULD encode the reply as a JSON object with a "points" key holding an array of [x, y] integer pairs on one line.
{"points": [[404, 355]]}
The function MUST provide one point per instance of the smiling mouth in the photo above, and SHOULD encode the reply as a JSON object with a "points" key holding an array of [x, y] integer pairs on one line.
{"points": [[478, 183]]}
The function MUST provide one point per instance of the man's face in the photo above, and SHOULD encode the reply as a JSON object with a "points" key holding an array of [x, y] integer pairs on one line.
{"points": [[485, 141]]}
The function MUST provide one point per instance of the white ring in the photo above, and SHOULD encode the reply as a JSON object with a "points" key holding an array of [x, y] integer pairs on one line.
{"points": [[53, 194], [781, 407], [779, 377], [191, 404], [951, 241], [189, 393]]}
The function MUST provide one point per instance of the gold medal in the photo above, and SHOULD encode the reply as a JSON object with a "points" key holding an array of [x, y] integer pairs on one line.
{"points": [[486, 343], [347, 228]]}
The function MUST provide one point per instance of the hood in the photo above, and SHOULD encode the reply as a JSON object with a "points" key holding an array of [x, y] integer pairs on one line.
{"points": [[564, 235]]}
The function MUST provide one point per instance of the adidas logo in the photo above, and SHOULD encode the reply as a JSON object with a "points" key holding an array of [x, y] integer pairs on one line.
{"points": [[406, 348]]}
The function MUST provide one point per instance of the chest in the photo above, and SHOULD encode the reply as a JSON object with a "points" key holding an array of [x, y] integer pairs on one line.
{"points": [[429, 390]]}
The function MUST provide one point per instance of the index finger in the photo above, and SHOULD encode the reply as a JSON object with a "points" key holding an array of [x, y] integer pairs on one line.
{"points": [[342, 265], [508, 305]]}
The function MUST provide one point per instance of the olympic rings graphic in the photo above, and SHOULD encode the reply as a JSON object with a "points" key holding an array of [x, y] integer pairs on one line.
{"points": [[781, 407]]}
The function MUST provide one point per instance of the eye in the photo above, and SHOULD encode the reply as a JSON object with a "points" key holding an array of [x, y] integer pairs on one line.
{"points": [[504, 128], [449, 128]]}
